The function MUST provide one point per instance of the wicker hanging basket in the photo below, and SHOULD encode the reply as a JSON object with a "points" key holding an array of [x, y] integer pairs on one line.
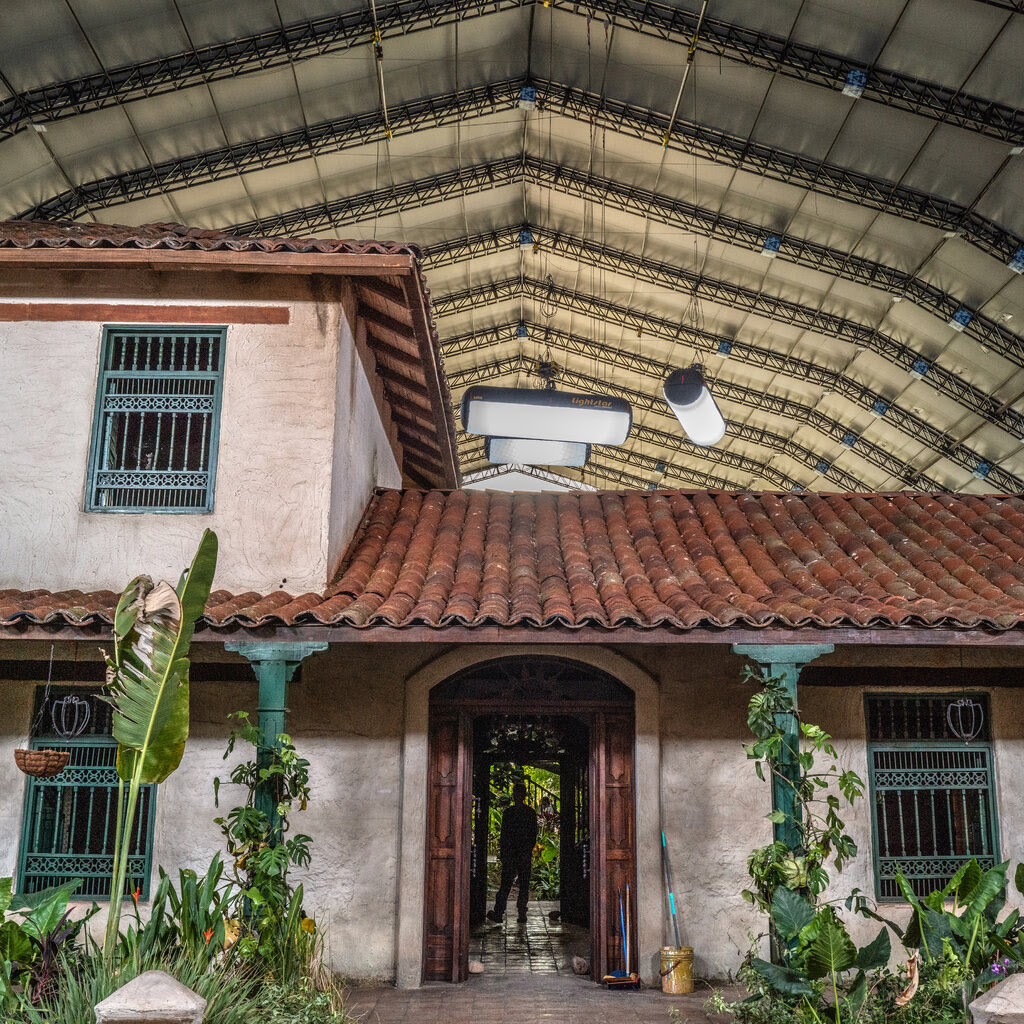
{"points": [[42, 764]]}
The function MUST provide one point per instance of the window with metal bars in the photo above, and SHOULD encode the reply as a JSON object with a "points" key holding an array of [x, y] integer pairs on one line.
{"points": [[154, 440], [933, 794], [69, 821]]}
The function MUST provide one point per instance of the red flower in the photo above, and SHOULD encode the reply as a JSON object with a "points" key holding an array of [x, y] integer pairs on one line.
{"points": [[136, 895], [208, 933]]}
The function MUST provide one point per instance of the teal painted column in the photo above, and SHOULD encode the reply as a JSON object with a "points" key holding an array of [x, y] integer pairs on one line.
{"points": [[274, 663], [785, 662]]}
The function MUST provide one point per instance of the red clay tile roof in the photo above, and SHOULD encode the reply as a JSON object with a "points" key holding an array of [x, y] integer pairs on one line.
{"points": [[41, 234], [650, 559]]}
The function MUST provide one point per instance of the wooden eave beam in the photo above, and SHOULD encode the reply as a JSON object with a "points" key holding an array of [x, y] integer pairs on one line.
{"points": [[376, 318], [396, 378], [436, 383], [395, 354], [417, 444], [407, 422], [431, 465], [340, 263], [383, 290]]}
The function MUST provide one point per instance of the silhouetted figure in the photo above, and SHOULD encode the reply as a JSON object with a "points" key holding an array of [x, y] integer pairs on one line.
{"points": [[518, 837]]}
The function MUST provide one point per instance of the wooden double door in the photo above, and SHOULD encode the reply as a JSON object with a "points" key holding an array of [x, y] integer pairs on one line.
{"points": [[598, 832]]}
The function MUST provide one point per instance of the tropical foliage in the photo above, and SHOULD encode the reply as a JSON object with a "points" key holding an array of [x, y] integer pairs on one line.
{"points": [[958, 940], [147, 685], [267, 910]]}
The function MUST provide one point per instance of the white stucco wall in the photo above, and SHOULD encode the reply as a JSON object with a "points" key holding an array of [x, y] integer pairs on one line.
{"points": [[301, 443], [350, 718]]}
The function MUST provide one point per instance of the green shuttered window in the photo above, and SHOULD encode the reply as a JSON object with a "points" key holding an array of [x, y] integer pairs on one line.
{"points": [[154, 439], [69, 821], [933, 795]]}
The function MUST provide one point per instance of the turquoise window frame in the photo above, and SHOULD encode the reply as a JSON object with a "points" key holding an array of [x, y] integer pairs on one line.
{"points": [[95, 467], [45, 865], [883, 868]]}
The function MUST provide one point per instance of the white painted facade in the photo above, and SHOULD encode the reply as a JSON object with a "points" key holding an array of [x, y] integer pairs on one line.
{"points": [[359, 715], [301, 441]]}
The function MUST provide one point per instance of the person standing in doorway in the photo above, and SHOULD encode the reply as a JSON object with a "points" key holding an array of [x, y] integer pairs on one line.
{"points": [[515, 848]]}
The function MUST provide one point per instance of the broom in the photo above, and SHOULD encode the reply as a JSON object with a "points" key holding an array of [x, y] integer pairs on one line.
{"points": [[623, 979]]}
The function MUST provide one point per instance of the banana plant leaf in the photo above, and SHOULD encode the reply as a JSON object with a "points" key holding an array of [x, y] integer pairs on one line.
{"points": [[148, 675]]}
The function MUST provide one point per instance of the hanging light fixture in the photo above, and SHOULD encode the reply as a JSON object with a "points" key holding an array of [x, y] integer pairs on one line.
{"points": [[546, 415], [695, 408], [526, 451]]}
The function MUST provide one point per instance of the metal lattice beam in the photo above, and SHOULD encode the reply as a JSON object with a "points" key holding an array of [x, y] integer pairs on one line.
{"points": [[493, 472], [966, 395], [310, 38], [589, 108], [734, 393], [428, 191], [913, 427], [602, 461], [685, 283]]}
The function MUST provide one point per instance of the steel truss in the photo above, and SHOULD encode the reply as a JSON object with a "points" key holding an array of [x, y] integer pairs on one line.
{"points": [[472, 455], [969, 397], [494, 471], [305, 39], [777, 407], [634, 363], [686, 283], [664, 209], [590, 108]]}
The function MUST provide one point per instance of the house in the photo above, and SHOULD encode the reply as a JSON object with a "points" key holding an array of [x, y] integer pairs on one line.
{"points": [[289, 393]]}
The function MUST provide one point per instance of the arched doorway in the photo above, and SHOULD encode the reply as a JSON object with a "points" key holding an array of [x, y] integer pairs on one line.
{"points": [[592, 714]]}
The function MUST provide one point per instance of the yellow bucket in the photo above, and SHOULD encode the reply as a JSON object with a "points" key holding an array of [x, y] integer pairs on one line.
{"points": [[677, 969]]}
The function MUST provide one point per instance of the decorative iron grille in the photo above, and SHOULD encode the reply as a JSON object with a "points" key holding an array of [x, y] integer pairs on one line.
{"points": [[154, 445], [69, 821], [933, 795]]}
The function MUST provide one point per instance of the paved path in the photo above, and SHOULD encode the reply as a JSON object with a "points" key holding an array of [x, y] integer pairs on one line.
{"points": [[540, 945], [516, 998]]}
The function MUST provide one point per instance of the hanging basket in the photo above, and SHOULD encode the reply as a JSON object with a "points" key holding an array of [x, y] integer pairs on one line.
{"points": [[42, 764]]}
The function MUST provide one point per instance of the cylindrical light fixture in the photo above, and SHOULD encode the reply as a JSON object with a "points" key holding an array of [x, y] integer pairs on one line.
{"points": [[527, 451], [689, 398]]}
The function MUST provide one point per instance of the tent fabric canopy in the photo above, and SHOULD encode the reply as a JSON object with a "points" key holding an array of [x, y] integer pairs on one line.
{"points": [[833, 198]]}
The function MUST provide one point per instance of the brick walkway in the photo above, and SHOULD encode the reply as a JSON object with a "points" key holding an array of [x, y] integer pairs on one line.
{"points": [[522, 999]]}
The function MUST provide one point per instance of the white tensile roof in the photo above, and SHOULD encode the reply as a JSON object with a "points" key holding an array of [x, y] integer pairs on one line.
{"points": [[650, 208]]}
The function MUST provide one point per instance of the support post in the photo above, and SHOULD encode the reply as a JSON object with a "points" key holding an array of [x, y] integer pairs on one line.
{"points": [[785, 661], [274, 663]]}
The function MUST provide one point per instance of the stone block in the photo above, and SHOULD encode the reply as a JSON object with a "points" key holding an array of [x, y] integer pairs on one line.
{"points": [[1001, 1004], [152, 998]]}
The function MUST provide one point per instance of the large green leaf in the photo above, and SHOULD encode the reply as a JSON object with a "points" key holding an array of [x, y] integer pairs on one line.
{"points": [[790, 912], [783, 979], [29, 902], [149, 684], [991, 888], [5, 895], [1018, 878], [833, 950], [876, 953], [15, 944]]}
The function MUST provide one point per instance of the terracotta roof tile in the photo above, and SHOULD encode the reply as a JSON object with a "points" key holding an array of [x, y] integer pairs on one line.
{"points": [[40, 234], [651, 559]]}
